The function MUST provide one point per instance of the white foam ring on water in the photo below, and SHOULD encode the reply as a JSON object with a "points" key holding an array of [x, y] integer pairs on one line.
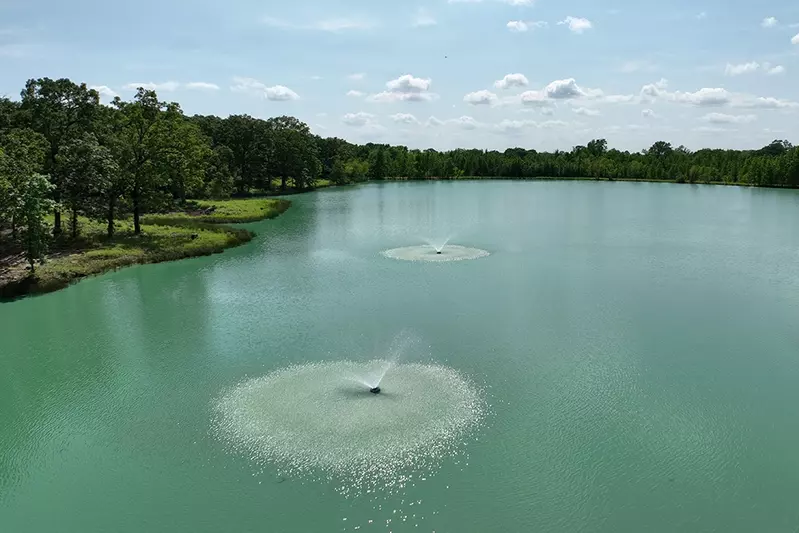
{"points": [[450, 252], [319, 419]]}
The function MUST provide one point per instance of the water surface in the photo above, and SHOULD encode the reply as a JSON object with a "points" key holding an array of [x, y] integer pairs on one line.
{"points": [[637, 345]]}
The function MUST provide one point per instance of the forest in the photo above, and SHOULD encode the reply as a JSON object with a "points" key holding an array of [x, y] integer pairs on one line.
{"points": [[65, 156]]}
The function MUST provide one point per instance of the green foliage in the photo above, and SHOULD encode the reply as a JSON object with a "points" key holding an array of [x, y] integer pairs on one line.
{"points": [[225, 211], [34, 204]]}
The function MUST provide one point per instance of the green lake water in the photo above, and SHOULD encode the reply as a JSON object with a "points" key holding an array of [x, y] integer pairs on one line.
{"points": [[636, 346]]}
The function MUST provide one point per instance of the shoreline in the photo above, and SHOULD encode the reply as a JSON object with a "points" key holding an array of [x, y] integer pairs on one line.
{"points": [[626, 180], [164, 238]]}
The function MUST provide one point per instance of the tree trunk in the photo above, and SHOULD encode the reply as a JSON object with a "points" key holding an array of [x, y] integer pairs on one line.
{"points": [[57, 224], [74, 223], [283, 182], [13, 228], [136, 213], [111, 217]]}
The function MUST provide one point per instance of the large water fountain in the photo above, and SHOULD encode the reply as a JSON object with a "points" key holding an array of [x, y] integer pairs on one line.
{"points": [[328, 419], [436, 251]]}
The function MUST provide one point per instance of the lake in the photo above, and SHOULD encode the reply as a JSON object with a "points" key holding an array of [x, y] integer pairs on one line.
{"points": [[634, 346]]}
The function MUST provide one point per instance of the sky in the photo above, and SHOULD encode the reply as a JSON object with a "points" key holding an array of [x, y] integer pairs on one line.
{"points": [[443, 74]]}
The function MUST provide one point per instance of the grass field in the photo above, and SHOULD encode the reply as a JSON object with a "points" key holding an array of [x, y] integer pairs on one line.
{"points": [[163, 238]]}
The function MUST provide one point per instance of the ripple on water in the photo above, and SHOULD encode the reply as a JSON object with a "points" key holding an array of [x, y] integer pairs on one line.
{"points": [[320, 419], [451, 252]]}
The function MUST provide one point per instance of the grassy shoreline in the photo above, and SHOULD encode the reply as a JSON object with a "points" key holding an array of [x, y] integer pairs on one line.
{"points": [[200, 232]]}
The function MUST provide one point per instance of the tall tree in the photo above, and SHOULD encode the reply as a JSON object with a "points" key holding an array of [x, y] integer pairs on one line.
{"points": [[60, 110], [35, 204], [88, 172]]}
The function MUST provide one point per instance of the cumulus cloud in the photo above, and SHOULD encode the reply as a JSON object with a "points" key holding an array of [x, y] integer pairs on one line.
{"points": [[534, 98], [703, 97], [521, 26], [743, 68], [423, 18], [404, 118], [104, 90], [355, 94], [721, 118], [406, 88], [280, 93], [576, 24], [433, 122], [795, 39], [769, 22], [167, 86], [586, 111], [779, 69], [512, 80], [465, 122], [359, 119], [712, 97], [277, 93], [512, 127], [568, 89], [483, 97], [202, 86]]}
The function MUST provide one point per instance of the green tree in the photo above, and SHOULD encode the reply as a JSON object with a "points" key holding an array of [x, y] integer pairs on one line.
{"points": [[60, 110], [88, 171], [35, 204]]}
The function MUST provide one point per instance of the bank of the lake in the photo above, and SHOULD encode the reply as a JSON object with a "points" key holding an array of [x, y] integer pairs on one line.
{"points": [[200, 231], [578, 178]]}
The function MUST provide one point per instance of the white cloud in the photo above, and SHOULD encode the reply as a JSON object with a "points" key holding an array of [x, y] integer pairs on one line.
{"points": [[705, 97], [14, 50], [795, 39], [247, 85], [316, 78], [743, 68], [721, 118], [202, 86], [779, 69], [512, 80], [619, 98], [547, 111], [753, 102], [576, 24], [433, 122], [104, 90], [769, 22], [648, 113], [359, 119], [280, 93], [404, 118], [424, 18], [406, 88], [534, 98], [465, 122], [512, 127], [586, 111], [568, 89], [277, 93], [521, 26], [333, 25], [358, 76], [480, 98], [355, 94], [167, 86]]}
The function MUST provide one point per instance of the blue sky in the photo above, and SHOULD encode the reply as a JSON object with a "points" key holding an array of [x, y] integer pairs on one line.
{"points": [[540, 74]]}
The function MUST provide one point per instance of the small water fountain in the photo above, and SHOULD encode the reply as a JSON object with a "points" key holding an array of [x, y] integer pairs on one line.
{"points": [[314, 420], [435, 251]]}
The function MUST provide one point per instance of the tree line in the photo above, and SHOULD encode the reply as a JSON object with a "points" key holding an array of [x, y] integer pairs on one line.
{"points": [[64, 155]]}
